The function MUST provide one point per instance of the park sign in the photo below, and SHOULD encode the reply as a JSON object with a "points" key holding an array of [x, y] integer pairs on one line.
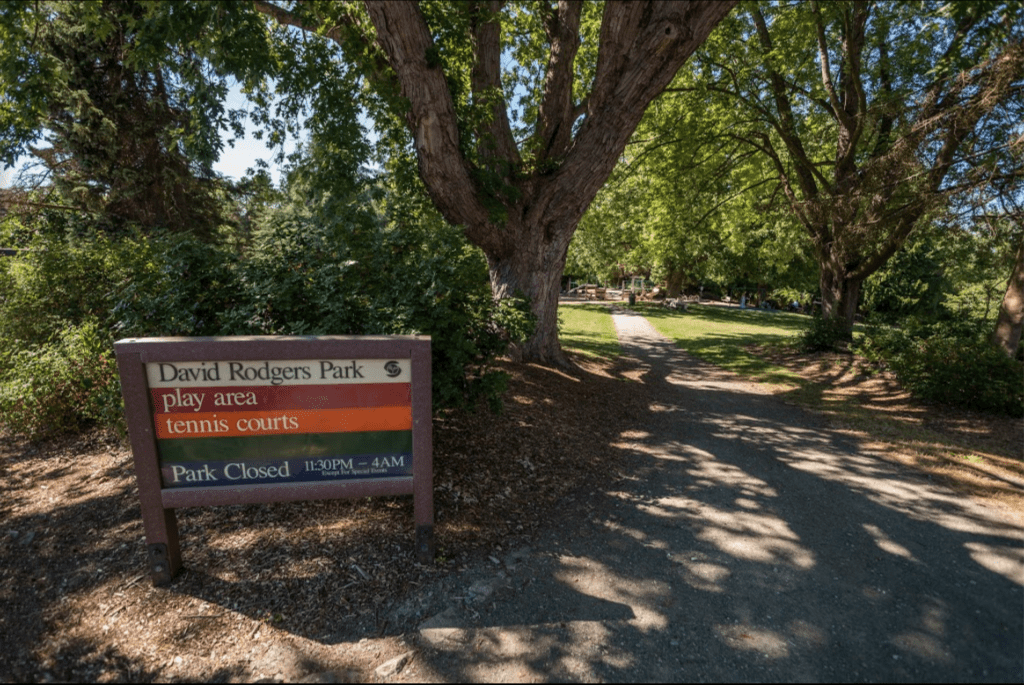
{"points": [[241, 420]]}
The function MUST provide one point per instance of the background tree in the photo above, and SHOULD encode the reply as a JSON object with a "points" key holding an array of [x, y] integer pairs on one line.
{"points": [[947, 272], [873, 116], [689, 205], [128, 138]]}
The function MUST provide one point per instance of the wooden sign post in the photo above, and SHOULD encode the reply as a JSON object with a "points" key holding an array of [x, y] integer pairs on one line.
{"points": [[244, 420]]}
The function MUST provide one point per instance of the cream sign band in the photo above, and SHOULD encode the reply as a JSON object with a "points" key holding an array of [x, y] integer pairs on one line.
{"points": [[291, 372]]}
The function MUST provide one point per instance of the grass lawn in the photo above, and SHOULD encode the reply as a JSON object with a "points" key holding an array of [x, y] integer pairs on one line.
{"points": [[588, 329], [719, 335], [972, 452]]}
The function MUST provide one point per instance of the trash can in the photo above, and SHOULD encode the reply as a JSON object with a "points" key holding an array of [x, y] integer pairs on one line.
{"points": [[632, 298]]}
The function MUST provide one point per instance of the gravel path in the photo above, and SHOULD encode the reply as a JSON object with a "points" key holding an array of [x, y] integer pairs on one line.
{"points": [[748, 542]]}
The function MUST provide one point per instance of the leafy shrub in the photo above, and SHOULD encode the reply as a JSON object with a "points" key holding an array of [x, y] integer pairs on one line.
{"points": [[63, 385], [950, 363], [824, 334], [58, 281], [340, 269], [183, 286], [345, 271], [910, 284], [57, 367]]}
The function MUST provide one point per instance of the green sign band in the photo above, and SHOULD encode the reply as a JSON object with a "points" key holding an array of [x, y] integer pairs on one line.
{"points": [[305, 445]]}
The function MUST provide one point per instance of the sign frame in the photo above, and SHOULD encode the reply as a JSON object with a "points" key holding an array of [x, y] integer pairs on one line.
{"points": [[158, 503]]}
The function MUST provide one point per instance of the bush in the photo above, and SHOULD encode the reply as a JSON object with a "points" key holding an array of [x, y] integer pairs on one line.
{"points": [[56, 282], [348, 272], [951, 364], [182, 286], [342, 269], [57, 367], [824, 334], [62, 385]]}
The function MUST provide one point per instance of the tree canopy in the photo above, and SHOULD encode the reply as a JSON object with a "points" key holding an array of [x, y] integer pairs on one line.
{"points": [[868, 120], [515, 113], [125, 136], [830, 130], [707, 210]]}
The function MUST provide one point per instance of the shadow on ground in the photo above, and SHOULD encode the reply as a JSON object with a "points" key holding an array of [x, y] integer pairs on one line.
{"points": [[734, 538], [743, 540]]}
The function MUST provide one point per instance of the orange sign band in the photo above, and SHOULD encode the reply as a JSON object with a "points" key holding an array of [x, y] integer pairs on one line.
{"points": [[281, 421]]}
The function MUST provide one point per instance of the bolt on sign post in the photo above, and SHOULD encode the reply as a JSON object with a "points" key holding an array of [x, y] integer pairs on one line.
{"points": [[243, 420]]}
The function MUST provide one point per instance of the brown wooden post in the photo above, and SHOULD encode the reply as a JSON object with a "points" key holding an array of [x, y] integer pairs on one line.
{"points": [[423, 465], [160, 524]]}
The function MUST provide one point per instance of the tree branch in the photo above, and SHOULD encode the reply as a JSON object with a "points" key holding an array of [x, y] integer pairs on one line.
{"points": [[996, 81], [854, 102], [729, 198], [807, 174], [886, 121], [405, 38], [358, 34], [44, 205], [495, 140], [765, 146], [620, 25], [642, 46], [555, 115], [933, 91], [826, 76]]}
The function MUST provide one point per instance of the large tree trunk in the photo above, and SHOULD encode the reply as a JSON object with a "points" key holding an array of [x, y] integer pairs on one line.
{"points": [[576, 144], [535, 274], [890, 165], [674, 284], [1006, 335], [840, 294]]}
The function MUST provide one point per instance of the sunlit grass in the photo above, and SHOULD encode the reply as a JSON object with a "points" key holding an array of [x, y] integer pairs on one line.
{"points": [[588, 329], [720, 335], [891, 424]]}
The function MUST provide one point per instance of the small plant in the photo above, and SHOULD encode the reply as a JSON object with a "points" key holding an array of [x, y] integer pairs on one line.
{"points": [[824, 335]]}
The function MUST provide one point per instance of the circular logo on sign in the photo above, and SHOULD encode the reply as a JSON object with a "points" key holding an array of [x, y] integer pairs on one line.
{"points": [[392, 369]]}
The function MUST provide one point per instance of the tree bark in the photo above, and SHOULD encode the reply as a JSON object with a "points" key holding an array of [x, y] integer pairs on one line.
{"points": [[674, 284], [1010, 321], [862, 205], [642, 46], [534, 273], [840, 293]]}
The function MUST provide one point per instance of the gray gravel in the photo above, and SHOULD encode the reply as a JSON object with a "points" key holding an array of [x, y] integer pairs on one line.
{"points": [[749, 542]]}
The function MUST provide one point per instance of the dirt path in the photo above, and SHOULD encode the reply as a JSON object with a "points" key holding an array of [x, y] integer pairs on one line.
{"points": [[748, 543]]}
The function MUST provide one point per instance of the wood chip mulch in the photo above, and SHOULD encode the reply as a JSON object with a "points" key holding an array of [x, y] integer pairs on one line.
{"points": [[77, 604], [328, 590]]}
